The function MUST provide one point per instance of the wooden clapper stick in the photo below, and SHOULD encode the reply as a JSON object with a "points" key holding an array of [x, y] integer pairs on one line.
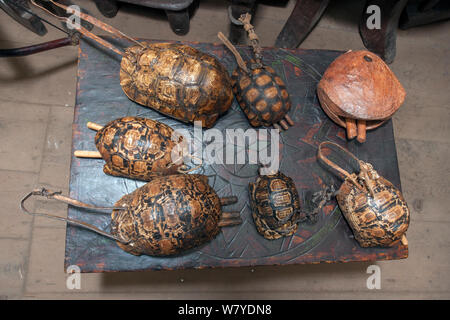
{"points": [[86, 153], [356, 129]]}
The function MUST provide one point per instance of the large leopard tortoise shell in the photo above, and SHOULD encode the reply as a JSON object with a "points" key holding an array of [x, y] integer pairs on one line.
{"points": [[137, 148], [168, 215], [380, 219], [275, 205], [261, 94], [176, 80]]}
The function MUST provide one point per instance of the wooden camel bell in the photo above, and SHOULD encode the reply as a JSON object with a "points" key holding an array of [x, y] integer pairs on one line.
{"points": [[359, 92]]}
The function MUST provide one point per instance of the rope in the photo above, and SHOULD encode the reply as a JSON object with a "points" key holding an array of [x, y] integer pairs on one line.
{"points": [[254, 40]]}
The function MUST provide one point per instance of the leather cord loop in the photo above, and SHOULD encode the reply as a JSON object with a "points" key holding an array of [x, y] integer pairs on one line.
{"points": [[57, 196], [333, 167]]}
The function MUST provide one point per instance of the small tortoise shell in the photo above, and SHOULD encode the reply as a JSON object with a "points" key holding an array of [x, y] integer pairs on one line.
{"points": [[380, 219], [375, 210], [261, 94], [275, 205], [137, 148]]}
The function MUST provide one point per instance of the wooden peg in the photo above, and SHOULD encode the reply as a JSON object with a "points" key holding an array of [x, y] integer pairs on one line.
{"points": [[94, 126], [351, 128], [224, 201], [361, 128], [229, 222], [289, 120], [284, 124], [87, 154], [404, 241]]}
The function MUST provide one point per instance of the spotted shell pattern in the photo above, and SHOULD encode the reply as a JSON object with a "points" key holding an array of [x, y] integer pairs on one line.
{"points": [[176, 80], [168, 215], [137, 148], [275, 205], [376, 221], [261, 94]]}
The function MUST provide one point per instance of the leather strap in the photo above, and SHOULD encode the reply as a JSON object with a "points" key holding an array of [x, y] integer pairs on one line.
{"points": [[333, 167]]}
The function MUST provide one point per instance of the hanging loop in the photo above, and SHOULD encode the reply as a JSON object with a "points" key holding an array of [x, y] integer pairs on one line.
{"points": [[57, 196], [333, 167]]}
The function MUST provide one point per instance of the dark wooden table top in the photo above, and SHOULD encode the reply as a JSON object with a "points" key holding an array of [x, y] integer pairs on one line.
{"points": [[100, 99]]}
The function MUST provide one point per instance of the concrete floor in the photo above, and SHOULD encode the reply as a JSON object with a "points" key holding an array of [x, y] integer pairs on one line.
{"points": [[37, 96]]}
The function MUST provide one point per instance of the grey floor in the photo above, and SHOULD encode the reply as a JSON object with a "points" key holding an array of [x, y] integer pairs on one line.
{"points": [[37, 96]]}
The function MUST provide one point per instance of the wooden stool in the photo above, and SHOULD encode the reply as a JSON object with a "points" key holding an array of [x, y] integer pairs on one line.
{"points": [[381, 41], [177, 11], [424, 12]]}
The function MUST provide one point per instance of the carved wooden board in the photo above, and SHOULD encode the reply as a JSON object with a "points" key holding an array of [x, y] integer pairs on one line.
{"points": [[100, 99]]}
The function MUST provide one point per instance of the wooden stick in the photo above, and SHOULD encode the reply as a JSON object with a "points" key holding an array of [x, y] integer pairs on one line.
{"points": [[230, 215], [229, 222], [57, 196], [85, 32], [232, 48], [284, 124], [351, 128], [289, 120], [224, 201], [87, 154], [361, 125], [404, 241], [100, 24], [81, 29], [94, 126]]}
